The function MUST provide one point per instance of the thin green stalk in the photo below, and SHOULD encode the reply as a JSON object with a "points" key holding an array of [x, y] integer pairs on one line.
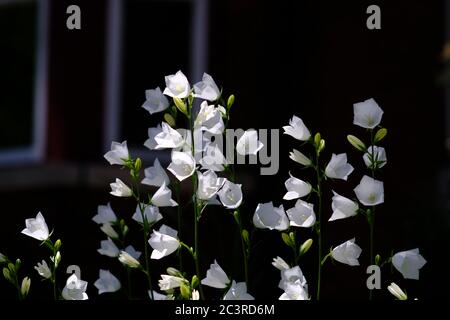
{"points": [[179, 216], [244, 246], [319, 224], [372, 212]]}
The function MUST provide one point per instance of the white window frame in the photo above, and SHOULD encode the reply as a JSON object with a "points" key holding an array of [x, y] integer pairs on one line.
{"points": [[35, 152], [113, 86]]}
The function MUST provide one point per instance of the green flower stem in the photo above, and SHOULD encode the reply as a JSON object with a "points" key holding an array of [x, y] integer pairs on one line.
{"points": [[50, 245], [243, 245], [371, 219], [319, 223], [179, 216]]}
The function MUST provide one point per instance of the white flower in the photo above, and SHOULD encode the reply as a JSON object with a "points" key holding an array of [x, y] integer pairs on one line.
{"points": [[105, 214], [338, 168], [159, 296], [118, 154], [195, 295], [182, 165], [302, 215], [152, 133], [155, 101], [248, 143], [36, 228], [397, 292], [238, 291], [230, 195], [370, 192], [299, 157], [294, 291], [155, 175], [128, 260], [213, 158], [151, 214], [168, 138], [108, 229], [296, 188], [268, 217], [25, 287], [207, 88], [375, 157], [297, 129], [342, 207], [107, 282], [209, 119], [164, 242], [120, 189], [170, 282], [347, 253], [280, 264], [177, 85], [367, 114], [133, 252], [108, 248], [163, 197], [208, 184], [408, 263], [75, 289], [43, 270], [292, 276], [216, 277]]}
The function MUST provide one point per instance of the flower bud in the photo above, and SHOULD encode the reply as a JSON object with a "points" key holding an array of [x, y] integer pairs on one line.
{"points": [[3, 258], [357, 143], [185, 291], [245, 237], [170, 120], [230, 101], [58, 244], [381, 133], [137, 164], [305, 246], [195, 282], [7, 274], [321, 145], [377, 259], [174, 272], [25, 287], [286, 239], [180, 105], [57, 259], [17, 265], [317, 139]]}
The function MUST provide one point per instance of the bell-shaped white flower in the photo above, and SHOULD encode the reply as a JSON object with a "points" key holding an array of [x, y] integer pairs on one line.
{"points": [[338, 167], [342, 207], [299, 157], [302, 215], [120, 189], [367, 114], [280, 264], [75, 289], [152, 133], [118, 153], [370, 192], [208, 184], [209, 119], [108, 229], [238, 291], [36, 228], [155, 101], [168, 138], [248, 143], [108, 248], [164, 242], [182, 165], [213, 158], [107, 282], [294, 291], [207, 88], [230, 195], [168, 282], [163, 197], [43, 270], [133, 252], [266, 216], [296, 188], [375, 157], [128, 260], [177, 85], [347, 253], [155, 175], [297, 129], [216, 277], [105, 214], [408, 263], [150, 213], [397, 292], [292, 276]]}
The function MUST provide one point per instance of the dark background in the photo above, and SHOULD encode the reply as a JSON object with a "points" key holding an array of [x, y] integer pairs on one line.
{"points": [[313, 59]]}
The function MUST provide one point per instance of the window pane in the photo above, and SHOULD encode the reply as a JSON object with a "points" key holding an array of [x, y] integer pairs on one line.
{"points": [[17, 60]]}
